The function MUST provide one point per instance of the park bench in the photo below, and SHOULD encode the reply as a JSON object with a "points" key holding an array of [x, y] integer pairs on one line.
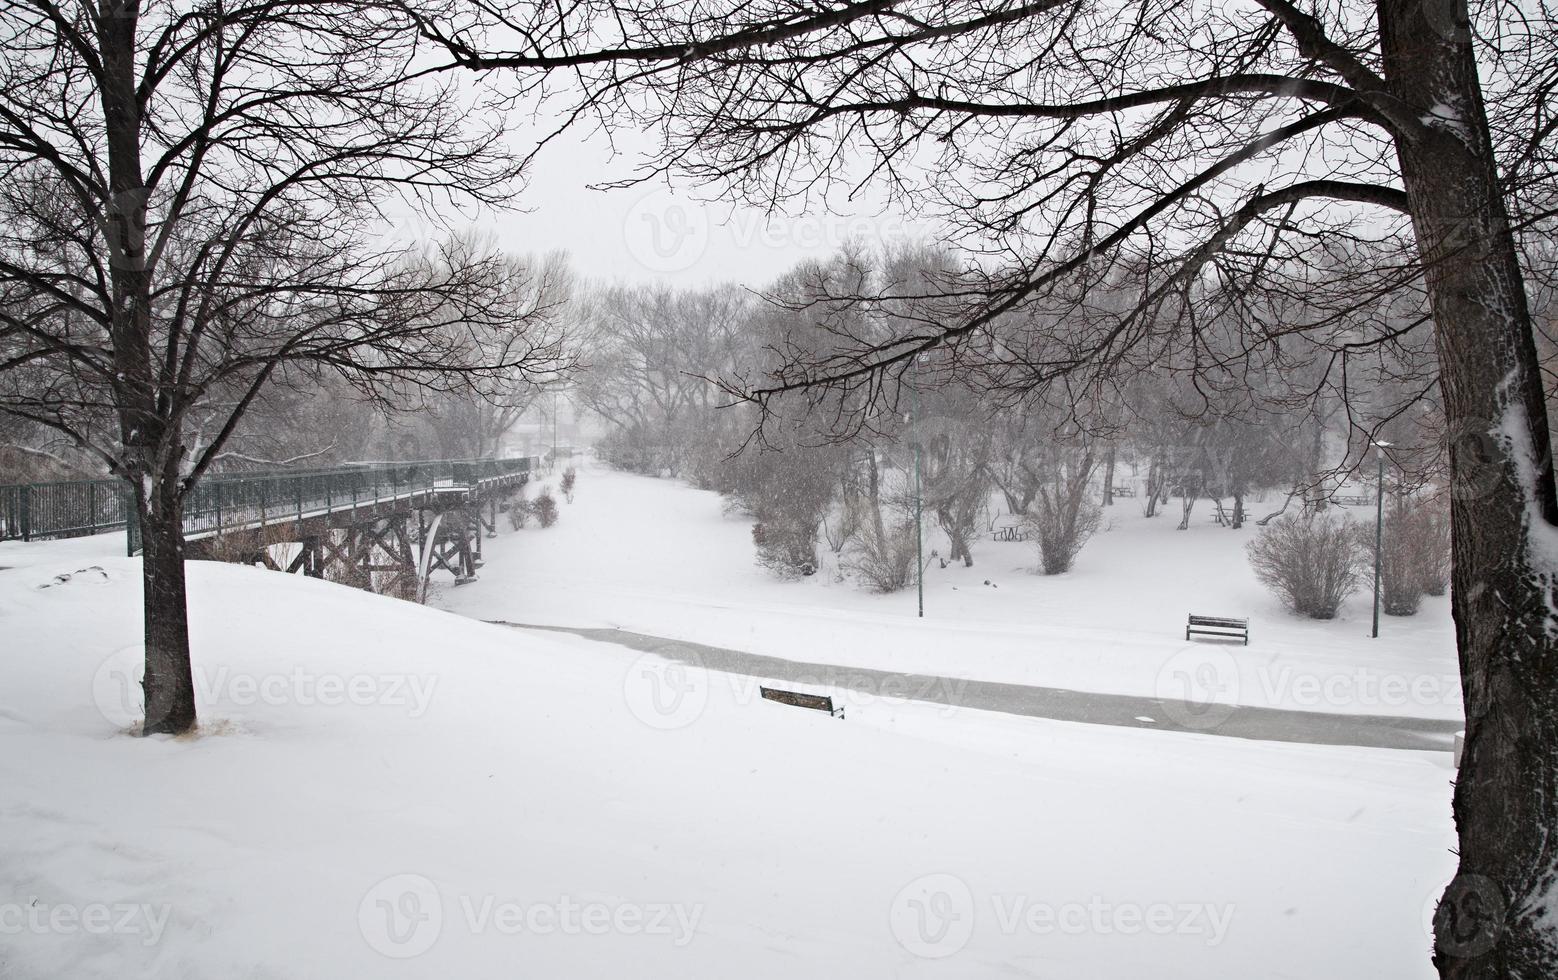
{"points": [[1124, 491], [1352, 499], [799, 699], [1013, 532], [1224, 626]]}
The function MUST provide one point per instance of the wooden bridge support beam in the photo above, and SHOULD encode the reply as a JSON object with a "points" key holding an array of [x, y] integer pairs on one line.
{"points": [[376, 547]]}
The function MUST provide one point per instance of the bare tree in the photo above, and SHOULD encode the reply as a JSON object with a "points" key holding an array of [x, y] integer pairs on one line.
{"points": [[651, 352], [195, 200], [470, 421]]}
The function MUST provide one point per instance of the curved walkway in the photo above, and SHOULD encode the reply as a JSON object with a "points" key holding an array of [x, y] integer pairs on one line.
{"points": [[1059, 704]]}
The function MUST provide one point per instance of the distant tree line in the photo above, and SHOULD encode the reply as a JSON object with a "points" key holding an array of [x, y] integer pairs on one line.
{"points": [[1249, 445]]}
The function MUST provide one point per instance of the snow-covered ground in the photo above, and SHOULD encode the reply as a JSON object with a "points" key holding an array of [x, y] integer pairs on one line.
{"points": [[386, 790], [658, 557]]}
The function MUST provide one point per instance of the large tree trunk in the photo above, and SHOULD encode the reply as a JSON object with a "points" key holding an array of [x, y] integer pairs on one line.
{"points": [[169, 683], [151, 450], [1496, 916], [959, 528]]}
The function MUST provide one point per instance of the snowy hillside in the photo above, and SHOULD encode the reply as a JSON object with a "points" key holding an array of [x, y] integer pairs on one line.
{"points": [[385, 790]]}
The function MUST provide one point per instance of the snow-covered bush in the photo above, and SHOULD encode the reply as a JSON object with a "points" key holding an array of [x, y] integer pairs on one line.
{"points": [[839, 527], [787, 492], [518, 511], [1310, 562], [1435, 529], [545, 507], [787, 544], [631, 449], [1400, 575], [1064, 515], [1401, 562], [570, 476], [881, 556], [1414, 556]]}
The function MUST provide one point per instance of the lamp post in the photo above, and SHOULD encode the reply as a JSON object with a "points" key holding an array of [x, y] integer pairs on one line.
{"points": [[919, 528], [919, 502], [557, 388], [1379, 529]]}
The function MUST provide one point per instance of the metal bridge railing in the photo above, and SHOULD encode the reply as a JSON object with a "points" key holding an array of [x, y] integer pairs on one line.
{"points": [[236, 500], [64, 509]]}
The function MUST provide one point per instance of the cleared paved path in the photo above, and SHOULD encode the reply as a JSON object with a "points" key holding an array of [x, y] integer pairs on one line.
{"points": [[1060, 704]]}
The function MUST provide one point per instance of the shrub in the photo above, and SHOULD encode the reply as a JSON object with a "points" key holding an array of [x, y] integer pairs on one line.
{"points": [[882, 556], [1310, 562], [629, 449], [1414, 556], [838, 532], [1061, 530], [787, 545], [569, 476], [1400, 560], [545, 507], [1063, 515], [518, 511], [787, 493], [1435, 528], [1400, 578]]}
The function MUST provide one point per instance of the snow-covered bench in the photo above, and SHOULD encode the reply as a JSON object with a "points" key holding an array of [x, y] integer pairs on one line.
{"points": [[816, 702], [1224, 626]]}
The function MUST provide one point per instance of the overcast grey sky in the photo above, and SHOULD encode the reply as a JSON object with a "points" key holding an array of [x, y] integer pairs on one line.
{"points": [[655, 233]]}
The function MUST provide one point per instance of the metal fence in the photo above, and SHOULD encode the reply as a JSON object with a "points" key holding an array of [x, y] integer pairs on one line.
{"points": [[63, 510], [236, 500]]}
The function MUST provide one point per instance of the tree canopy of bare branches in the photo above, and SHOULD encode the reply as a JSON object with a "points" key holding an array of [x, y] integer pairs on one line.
{"points": [[196, 199]]}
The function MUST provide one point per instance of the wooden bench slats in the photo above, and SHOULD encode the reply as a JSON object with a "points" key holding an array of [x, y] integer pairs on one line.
{"points": [[800, 699], [1226, 626]]}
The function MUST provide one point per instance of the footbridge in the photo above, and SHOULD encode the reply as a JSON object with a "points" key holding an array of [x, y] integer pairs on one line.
{"points": [[387, 526]]}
